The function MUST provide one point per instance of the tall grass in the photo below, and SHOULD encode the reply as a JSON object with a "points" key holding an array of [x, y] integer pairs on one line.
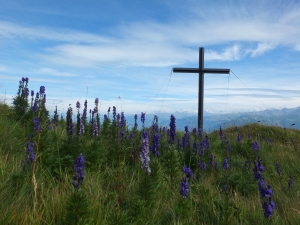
{"points": [[117, 190]]}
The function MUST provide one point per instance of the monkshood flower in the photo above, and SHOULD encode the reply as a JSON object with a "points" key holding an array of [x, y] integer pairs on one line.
{"points": [[144, 154], [258, 169], [154, 128], [69, 121], [78, 105], [42, 90], [114, 112], [225, 164], [135, 121], [96, 101], [143, 118], [37, 125], [35, 106], [186, 138], [184, 187], [30, 156], [79, 171], [95, 129], [188, 172], [239, 137], [268, 207], [278, 168], [201, 166], [122, 121], [172, 129], [255, 146], [195, 145], [105, 117], [84, 113], [26, 92], [156, 145], [206, 143], [71, 130]]}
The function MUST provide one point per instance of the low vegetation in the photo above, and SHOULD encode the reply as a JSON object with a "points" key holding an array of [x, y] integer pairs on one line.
{"points": [[90, 169]]}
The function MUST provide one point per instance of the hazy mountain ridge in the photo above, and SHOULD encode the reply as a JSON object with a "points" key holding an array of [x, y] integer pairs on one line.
{"points": [[284, 117]]}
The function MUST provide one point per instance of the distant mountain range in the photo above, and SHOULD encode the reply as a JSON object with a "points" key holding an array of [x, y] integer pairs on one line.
{"points": [[288, 118]]}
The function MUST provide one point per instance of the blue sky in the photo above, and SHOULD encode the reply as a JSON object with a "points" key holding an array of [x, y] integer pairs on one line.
{"points": [[123, 52]]}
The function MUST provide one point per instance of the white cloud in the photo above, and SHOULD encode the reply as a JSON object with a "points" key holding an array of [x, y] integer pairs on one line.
{"points": [[261, 49], [231, 53], [11, 30], [53, 72]]}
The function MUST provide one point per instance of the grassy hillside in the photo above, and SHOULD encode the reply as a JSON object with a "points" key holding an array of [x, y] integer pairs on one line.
{"points": [[89, 171]]}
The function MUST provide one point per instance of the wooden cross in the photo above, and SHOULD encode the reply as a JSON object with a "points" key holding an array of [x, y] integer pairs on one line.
{"points": [[201, 70]]}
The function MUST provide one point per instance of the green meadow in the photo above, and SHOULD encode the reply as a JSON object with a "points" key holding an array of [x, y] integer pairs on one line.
{"points": [[135, 175]]}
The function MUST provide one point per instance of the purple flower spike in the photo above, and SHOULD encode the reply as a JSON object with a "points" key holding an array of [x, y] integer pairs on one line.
{"points": [[37, 125], [172, 129], [225, 164], [144, 154], [79, 170], [42, 90], [184, 187], [188, 172]]}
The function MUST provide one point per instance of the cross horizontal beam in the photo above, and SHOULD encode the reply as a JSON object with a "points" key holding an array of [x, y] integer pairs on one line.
{"points": [[197, 70]]}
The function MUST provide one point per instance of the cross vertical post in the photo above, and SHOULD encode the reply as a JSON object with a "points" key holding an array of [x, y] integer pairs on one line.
{"points": [[201, 70]]}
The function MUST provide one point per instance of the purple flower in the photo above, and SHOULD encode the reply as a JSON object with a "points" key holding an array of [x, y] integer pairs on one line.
{"points": [[71, 129], [201, 166], [96, 101], [95, 129], [188, 172], [37, 125], [122, 122], [114, 112], [79, 171], [184, 187], [156, 145], [239, 137], [225, 164], [144, 154], [78, 105], [268, 207], [172, 129], [255, 146], [84, 111], [30, 156], [258, 169], [42, 90], [143, 118], [105, 117]]}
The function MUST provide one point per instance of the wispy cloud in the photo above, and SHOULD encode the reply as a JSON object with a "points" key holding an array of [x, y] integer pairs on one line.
{"points": [[53, 72], [11, 30]]}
